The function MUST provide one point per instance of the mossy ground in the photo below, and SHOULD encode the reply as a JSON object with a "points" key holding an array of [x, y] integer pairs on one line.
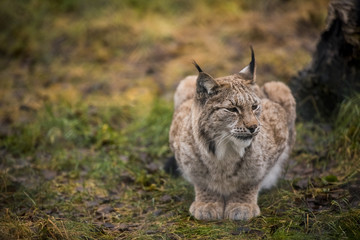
{"points": [[86, 105]]}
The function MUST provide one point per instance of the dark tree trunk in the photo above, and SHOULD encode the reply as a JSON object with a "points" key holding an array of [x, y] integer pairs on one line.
{"points": [[335, 69]]}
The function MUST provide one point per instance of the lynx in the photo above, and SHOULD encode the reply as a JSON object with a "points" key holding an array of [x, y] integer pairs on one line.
{"points": [[230, 139]]}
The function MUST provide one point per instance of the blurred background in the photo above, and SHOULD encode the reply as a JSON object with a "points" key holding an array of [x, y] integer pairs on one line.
{"points": [[86, 91], [120, 51]]}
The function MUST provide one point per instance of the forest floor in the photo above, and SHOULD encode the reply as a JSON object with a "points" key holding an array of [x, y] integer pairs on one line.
{"points": [[86, 104]]}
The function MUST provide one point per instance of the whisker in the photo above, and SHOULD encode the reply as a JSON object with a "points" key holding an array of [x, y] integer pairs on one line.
{"points": [[223, 139], [213, 139]]}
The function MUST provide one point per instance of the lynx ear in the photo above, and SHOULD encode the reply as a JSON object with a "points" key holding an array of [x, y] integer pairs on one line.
{"points": [[248, 72], [205, 84]]}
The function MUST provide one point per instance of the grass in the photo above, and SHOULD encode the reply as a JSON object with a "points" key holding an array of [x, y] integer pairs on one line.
{"points": [[86, 104]]}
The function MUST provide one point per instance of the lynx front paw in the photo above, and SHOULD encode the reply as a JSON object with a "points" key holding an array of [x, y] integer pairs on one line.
{"points": [[241, 211], [207, 210]]}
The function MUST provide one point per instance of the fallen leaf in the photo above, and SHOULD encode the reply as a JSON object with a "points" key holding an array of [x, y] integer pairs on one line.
{"points": [[152, 167], [104, 209], [108, 225], [165, 199], [49, 174]]}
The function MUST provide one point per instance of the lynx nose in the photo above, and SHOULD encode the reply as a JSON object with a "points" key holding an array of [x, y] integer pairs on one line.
{"points": [[252, 128]]}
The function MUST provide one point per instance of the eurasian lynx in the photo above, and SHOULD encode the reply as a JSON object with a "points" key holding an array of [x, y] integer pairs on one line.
{"points": [[230, 139]]}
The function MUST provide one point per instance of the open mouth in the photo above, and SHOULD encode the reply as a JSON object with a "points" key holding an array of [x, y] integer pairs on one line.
{"points": [[244, 137]]}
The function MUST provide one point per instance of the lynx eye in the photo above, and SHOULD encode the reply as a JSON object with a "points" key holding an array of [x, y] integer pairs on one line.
{"points": [[232, 109], [254, 107]]}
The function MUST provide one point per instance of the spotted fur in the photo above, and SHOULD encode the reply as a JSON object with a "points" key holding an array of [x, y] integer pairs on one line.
{"points": [[230, 138]]}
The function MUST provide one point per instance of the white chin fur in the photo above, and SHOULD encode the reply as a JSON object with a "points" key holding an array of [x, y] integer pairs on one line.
{"points": [[232, 148], [241, 143]]}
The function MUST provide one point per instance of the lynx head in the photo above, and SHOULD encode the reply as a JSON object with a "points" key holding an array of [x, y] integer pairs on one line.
{"points": [[228, 109]]}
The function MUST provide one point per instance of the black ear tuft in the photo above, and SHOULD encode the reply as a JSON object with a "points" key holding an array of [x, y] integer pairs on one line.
{"points": [[252, 63], [248, 72], [197, 66], [205, 85]]}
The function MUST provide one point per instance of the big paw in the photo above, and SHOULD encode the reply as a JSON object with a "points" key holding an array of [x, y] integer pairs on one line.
{"points": [[207, 210], [241, 211]]}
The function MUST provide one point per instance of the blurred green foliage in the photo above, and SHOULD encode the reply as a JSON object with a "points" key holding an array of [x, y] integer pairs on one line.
{"points": [[346, 135]]}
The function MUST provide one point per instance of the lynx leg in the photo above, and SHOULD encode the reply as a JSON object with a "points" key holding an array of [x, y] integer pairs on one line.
{"points": [[207, 205], [242, 205]]}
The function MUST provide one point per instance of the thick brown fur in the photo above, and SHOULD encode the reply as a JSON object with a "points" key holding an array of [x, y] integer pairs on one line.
{"points": [[230, 138]]}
